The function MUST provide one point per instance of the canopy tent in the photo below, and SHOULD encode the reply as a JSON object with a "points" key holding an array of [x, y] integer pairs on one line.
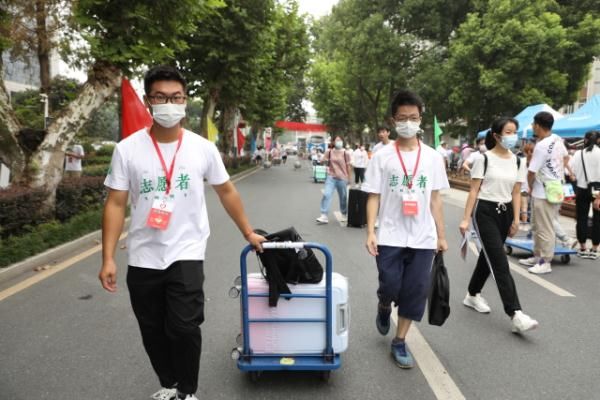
{"points": [[586, 118], [525, 118]]}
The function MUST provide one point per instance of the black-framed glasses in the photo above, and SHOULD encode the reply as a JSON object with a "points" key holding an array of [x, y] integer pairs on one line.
{"points": [[163, 99], [403, 118]]}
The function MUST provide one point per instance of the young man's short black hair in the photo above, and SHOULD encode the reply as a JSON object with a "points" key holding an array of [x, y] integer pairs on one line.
{"points": [[406, 98], [163, 73], [544, 119], [382, 128]]}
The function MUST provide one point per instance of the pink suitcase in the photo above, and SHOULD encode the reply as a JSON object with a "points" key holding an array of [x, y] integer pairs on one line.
{"points": [[294, 338]]}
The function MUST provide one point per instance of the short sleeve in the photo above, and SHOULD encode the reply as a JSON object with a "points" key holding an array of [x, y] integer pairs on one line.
{"points": [[373, 175], [440, 179], [477, 168], [118, 172], [538, 158], [522, 172], [216, 174]]}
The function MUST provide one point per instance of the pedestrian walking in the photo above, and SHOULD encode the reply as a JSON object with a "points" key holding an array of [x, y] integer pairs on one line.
{"points": [[585, 164], [338, 175], [73, 167], [493, 205], [360, 159], [544, 179], [383, 134], [163, 170], [404, 180]]}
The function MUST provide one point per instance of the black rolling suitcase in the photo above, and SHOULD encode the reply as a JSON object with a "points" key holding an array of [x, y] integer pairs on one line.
{"points": [[357, 208]]}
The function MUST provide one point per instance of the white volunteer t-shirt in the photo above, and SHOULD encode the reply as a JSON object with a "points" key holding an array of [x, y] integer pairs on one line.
{"points": [[360, 158], [500, 178], [380, 146], [548, 162], [72, 163], [592, 166], [474, 156], [135, 167], [386, 177]]}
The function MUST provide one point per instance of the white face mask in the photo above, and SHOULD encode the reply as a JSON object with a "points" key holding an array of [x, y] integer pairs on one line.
{"points": [[168, 115], [408, 129]]}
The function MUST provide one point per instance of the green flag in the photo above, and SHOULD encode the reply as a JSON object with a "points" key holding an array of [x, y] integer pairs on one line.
{"points": [[437, 132]]}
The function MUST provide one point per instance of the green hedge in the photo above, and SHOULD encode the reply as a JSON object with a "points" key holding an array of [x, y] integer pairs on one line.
{"points": [[74, 196], [48, 235], [21, 208], [96, 170], [96, 159]]}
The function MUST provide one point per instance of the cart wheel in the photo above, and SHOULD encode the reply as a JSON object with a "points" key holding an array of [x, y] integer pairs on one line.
{"points": [[325, 375], [565, 258], [509, 250], [255, 375]]}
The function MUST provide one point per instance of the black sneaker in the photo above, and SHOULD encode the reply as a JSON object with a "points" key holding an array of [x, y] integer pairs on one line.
{"points": [[592, 255], [383, 319]]}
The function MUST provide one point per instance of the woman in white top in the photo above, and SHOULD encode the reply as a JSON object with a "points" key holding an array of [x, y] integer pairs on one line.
{"points": [[590, 158], [493, 205]]}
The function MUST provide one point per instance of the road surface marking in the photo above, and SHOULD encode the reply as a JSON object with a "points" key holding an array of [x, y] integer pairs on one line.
{"points": [[532, 277], [43, 274], [437, 376]]}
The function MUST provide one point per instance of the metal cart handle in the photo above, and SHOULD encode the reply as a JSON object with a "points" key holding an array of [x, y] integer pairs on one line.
{"points": [[284, 245]]}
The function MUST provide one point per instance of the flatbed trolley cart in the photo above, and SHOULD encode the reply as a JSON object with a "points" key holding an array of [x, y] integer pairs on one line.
{"points": [[527, 245], [255, 364]]}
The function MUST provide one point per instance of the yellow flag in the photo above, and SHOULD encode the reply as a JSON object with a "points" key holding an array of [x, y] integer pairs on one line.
{"points": [[211, 130]]}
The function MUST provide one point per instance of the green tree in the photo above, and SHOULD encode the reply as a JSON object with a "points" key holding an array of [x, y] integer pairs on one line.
{"points": [[119, 38], [514, 53]]}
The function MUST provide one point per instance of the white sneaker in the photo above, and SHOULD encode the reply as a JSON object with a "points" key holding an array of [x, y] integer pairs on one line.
{"points": [[165, 394], [528, 261], [323, 219], [583, 253], [570, 243], [477, 303], [540, 268], [523, 322], [344, 218]]}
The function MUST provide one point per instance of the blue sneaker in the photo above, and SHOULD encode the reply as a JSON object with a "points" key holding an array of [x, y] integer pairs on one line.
{"points": [[402, 355], [383, 319]]}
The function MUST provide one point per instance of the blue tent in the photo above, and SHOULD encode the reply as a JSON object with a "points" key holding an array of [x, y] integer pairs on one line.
{"points": [[525, 118], [585, 119]]}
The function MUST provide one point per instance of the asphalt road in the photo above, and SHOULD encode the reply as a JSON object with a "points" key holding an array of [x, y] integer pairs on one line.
{"points": [[65, 338]]}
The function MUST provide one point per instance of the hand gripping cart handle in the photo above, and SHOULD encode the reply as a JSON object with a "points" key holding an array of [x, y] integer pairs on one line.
{"points": [[323, 362]]}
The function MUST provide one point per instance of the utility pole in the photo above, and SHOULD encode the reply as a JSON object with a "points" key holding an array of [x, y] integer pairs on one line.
{"points": [[44, 99]]}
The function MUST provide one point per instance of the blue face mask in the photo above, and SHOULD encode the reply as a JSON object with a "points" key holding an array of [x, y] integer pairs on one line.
{"points": [[509, 142]]}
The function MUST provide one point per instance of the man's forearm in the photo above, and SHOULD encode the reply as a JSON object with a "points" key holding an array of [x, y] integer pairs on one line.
{"points": [[112, 225], [232, 203], [437, 211], [530, 179], [372, 209]]}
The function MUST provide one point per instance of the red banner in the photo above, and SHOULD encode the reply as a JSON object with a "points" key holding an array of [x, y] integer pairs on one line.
{"points": [[301, 126], [134, 115]]}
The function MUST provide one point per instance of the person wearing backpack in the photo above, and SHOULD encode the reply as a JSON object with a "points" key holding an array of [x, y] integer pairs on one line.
{"points": [[585, 164], [544, 178], [493, 205]]}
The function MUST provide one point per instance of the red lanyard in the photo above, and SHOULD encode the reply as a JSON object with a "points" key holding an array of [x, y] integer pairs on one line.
{"points": [[409, 181], [168, 172]]}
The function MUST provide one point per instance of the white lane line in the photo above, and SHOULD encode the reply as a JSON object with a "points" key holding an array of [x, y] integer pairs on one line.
{"points": [[338, 216], [245, 175], [534, 278], [442, 385]]}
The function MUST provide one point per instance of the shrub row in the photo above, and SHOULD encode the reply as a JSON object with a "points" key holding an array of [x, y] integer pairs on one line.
{"points": [[47, 235], [76, 195]]}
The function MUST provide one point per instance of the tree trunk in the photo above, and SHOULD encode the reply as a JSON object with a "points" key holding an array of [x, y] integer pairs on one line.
{"points": [[10, 153], [227, 128], [43, 45], [46, 164], [208, 110]]}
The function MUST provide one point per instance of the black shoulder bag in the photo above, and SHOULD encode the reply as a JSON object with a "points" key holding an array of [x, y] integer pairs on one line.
{"points": [[439, 295]]}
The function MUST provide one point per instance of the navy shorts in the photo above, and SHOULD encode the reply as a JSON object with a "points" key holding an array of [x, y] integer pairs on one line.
{"points": [[405, 279]]}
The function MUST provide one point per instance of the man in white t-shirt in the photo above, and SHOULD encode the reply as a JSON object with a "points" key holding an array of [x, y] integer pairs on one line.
{"points": [[383, 134], [163, 170], [73, 167], [475, 155], [404, 180], [547, 164]]}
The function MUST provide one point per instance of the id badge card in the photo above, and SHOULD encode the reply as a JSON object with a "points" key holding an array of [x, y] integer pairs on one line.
{"points": [[160, 213], [410, 205]]}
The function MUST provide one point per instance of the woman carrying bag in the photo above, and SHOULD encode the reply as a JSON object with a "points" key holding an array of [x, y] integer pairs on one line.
{"points": [[585, 164], [493, 204]]}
